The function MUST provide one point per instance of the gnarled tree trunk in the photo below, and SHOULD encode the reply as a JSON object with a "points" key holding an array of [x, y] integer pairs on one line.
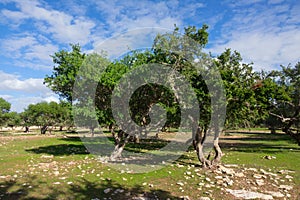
{"points": [[121, 139], [44, 129], [198, 142]]}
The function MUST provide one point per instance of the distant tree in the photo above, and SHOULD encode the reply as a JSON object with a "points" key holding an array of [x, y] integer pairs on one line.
{"points": [[4, 110], [284, 106], [42, 114], [14, 119]]}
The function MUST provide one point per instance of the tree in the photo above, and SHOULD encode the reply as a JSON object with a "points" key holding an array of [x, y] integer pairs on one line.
{"points": [[65, 69], [4, 110], [240, 83], [183, 54], [42, 114], [284, 105], [14, 119]]}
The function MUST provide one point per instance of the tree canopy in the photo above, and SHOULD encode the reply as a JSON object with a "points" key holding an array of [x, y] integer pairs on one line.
{"points": [[252, 98]]}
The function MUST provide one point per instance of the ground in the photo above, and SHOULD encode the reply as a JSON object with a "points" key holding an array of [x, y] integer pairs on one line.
{"points": [[58, 166]]}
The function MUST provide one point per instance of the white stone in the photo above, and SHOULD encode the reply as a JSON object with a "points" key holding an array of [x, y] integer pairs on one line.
{"points": [[275, 194], [107, 190], [244, 194], [288, 177], [284, 171], [180, 183], [225, 170], [260, 182], [240, 174], [286, 187], [204, 198]]}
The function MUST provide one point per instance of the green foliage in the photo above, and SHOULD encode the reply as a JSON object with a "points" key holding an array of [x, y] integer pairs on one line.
{"points": [[64, 72], [14, 119], [238, 79], [4, 111], [284, 104], [46, 114]]}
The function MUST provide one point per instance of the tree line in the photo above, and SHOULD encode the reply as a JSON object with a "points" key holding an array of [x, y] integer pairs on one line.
{"points": [[44, 114]]}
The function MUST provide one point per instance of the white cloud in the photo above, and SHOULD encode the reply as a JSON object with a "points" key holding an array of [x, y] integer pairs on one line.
{"points": [[21, 93], [124, 16], [267, 36], [32, 51], [11, 82], [18, 104], [63, 27]]}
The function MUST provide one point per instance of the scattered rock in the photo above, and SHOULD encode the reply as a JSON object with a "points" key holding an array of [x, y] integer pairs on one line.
{"points": [[288, 177], [244, 194], [218, 177], [180, 183], [269, 157], [228, 181], [240, 174], [225, 170], [207, 179], [251, 169], [286, 187], [47, 156], [185, 197], [275, 194], [267, 173], [118, 191], [107, 190], [257, 176], [204, 198], [284, 171], [260, 182], [188, 173]]}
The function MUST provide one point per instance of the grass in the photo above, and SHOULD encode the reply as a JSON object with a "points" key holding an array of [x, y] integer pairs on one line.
{"points": [[57, 167]]}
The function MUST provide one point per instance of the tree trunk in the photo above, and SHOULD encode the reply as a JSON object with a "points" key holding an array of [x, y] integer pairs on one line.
{"points": [[111, 127], [44, 129], [60, 128], [199, 139], [92, 131], [120, 141], [218, 152], [295, 136], [26, 129]]}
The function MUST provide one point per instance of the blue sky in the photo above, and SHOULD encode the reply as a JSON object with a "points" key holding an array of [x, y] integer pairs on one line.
{"points": [[265, 32]]}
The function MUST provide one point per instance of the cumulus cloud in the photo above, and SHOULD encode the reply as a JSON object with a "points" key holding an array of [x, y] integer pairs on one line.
{"points": [[11, 82], [18, 104], [268, 37], [20, 93], [29, 47], [63, 27]]}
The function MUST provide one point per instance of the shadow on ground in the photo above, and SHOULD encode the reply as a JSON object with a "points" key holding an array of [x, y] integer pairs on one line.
{"points": [[83, 189], [258, 142]]}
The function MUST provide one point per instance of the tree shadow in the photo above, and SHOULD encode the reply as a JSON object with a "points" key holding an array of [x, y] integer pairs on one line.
{"points": [[60, 149], [113, 190], [259, 142], [82, 189]]}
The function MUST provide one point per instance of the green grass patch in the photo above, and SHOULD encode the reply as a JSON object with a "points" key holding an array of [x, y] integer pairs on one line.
{"points": [[57, 167]]}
